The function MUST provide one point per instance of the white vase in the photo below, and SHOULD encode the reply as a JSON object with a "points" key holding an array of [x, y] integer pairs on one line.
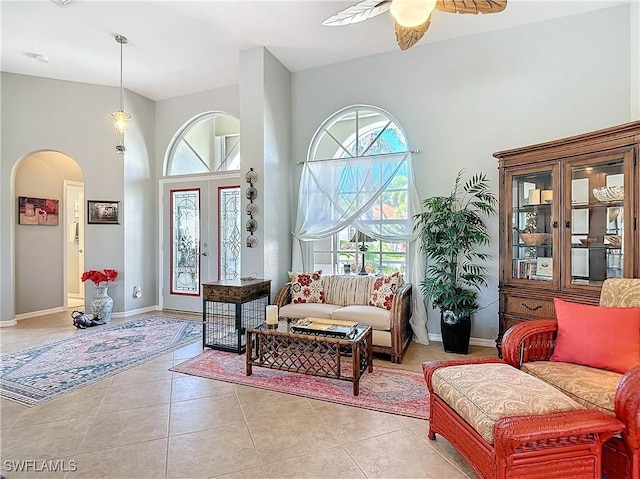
{"points": [[102, 304]]}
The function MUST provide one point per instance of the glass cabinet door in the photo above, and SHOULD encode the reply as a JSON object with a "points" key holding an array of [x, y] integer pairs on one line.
{"points": [[595, 223], [532, 223]]}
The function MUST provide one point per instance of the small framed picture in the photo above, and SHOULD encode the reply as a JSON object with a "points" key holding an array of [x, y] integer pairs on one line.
{"points": [[103, 212], [544, 266]]}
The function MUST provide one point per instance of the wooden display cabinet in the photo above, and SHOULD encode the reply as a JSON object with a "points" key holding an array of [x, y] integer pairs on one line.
{"points": [[568, 221]]}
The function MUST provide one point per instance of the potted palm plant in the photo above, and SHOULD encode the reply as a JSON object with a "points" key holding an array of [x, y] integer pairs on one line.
{"points": [[452, 227]]}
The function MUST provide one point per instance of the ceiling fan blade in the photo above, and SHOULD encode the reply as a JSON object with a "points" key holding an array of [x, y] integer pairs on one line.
{"points": [[409, 36], [358, 13], [471, 6]]}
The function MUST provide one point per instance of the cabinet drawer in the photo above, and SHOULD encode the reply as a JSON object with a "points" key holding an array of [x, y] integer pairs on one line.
{"points": [[522, 306]]}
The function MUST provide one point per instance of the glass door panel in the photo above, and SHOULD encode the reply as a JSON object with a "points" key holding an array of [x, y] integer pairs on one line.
{"points": [[532, 213], [230, 237], [185, 242], [597, 221]]}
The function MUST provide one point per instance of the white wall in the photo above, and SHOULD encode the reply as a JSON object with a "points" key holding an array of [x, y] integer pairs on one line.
{"points": [[71, 118], [265, 131], [252, 134], [277, 172], [461, 100], [140, 217]]}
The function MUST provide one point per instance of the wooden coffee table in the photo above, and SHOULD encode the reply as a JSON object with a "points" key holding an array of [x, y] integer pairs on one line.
{"points": [[313, 354]]}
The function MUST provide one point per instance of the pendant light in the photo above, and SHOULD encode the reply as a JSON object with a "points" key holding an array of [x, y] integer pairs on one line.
{"points": [[121, 117]]}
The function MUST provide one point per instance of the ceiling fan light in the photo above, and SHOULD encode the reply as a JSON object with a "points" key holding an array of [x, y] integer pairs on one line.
{"points": [[411, 13]]}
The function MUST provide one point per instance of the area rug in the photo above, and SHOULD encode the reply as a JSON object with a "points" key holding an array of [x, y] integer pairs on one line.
{"points": [[35, 375], [395, 391]]}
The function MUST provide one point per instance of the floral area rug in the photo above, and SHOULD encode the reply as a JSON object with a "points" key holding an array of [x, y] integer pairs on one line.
{"points": [[35, 375], [388, 390]]}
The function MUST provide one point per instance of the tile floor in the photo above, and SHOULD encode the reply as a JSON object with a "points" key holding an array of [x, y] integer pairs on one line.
{"points": [[148, 422]]}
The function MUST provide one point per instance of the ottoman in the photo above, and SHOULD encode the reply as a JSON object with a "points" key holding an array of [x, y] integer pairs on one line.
{"points": [[508, 424]]}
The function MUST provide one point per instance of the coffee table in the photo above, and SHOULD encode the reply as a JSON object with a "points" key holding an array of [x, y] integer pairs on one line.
{"points": [[311, 353]]}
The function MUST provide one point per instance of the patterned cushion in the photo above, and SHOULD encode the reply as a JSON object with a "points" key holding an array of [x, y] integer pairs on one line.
{"points": [[384, 289], [483, 393], [620, 293], [591, 387], [306, 287]]}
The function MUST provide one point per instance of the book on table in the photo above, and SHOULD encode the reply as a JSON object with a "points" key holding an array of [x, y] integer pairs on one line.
{"points": [[325, 326]]}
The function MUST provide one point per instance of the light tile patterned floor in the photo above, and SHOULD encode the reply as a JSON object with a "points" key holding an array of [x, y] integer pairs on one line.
{"points": [[148, 422]]}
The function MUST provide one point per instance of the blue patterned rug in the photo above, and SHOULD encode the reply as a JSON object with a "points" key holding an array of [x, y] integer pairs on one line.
{"points": [[35, 375]]}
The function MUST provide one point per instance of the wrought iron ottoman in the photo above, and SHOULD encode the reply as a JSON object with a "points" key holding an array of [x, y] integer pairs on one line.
{"points": [[508, 424]]}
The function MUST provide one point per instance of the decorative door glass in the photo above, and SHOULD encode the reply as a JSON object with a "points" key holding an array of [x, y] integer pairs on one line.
{"points": [[597, 222], [531, 222], [230, 237], [185, 242]]}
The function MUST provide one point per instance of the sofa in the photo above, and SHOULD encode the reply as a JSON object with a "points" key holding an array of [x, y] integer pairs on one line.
{"points": [[532, 346], [350, 298]]}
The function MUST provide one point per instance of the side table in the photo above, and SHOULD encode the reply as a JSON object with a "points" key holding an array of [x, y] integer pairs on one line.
{"points": [[229, 308]]}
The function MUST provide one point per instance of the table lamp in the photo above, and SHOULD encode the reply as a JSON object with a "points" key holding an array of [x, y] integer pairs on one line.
{"points": [[360, 237]]}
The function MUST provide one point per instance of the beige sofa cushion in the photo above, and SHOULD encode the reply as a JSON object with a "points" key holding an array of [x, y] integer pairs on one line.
{"points": [[305, 310], [348, 290], [382, 338], [483, 393], [377, 318], [591, 387]]}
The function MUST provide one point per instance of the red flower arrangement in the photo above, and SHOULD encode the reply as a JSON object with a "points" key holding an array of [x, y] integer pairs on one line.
{"points": [[106, 275]]}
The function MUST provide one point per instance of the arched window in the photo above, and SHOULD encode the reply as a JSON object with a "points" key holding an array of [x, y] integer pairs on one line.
{"points": [[207, 144], [357, 194]]}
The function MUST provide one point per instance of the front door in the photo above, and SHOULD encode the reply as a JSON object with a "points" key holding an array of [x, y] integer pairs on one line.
{"points": [[191, 237]]}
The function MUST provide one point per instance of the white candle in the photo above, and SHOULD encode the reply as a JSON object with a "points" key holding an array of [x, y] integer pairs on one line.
{"points": [[272, 314]]}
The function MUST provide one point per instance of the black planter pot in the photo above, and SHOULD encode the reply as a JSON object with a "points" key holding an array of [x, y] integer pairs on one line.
{"points": [[456, 332]]}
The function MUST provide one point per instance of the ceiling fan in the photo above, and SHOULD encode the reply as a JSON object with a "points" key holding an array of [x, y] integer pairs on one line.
{"points": [[412, 17]]}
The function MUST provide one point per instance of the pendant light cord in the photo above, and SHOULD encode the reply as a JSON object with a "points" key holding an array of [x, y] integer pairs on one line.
{"points": [[121, 95]]}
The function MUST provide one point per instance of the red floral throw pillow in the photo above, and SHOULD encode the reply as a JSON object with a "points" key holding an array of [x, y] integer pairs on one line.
{"points": [[306, 287], [384, 289], [603, 338]]}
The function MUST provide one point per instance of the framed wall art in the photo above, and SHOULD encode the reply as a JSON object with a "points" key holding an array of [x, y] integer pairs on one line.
{"points": [[37, 211], [103, 212]]}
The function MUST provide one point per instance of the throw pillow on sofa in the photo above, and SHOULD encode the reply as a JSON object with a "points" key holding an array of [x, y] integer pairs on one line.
{"points": [[603, 338], [306, 287], [384, 289]]}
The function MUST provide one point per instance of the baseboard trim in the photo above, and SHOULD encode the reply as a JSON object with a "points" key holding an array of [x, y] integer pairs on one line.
{"points": [[62, 309], [133, 312], [487, 343], [44, 312]]}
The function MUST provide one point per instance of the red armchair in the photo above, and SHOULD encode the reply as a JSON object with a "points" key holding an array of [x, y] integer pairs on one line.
{"points": [[535, 340]]}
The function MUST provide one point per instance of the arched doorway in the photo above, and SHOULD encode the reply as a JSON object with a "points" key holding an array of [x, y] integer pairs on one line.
{"points": [[48, 234]]}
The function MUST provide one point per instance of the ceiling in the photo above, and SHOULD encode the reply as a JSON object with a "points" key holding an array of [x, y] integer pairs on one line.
{"points": [[182, 47]]}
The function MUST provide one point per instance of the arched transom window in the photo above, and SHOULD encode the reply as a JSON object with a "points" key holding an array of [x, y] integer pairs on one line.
{"points": [[359, 160], [209, 143]]}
